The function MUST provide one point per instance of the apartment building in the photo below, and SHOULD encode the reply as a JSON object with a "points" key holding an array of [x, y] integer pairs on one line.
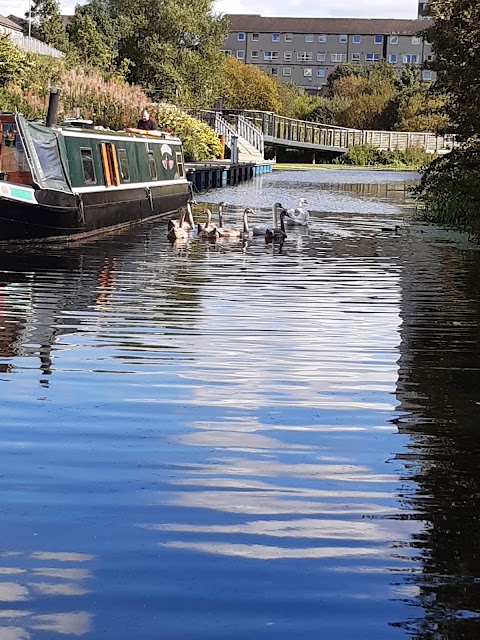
{"points": [[305, 51]]}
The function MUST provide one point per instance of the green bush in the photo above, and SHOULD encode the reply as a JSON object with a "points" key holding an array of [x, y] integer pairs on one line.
{"points": [[449, 188], [366, 155], [361, 155], [199, 141]]}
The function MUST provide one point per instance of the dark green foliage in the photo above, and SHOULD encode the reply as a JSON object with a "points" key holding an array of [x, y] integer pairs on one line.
{"points": [[449, 187], [174, 46], [455, 38], [92, 34]]}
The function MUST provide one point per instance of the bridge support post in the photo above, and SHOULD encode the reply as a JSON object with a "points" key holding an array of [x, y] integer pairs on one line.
{"points": [[234, 150]]}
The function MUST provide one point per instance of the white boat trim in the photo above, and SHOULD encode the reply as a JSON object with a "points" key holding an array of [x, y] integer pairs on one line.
{"points": [[128, 185], [17, 192], [107, 135]]}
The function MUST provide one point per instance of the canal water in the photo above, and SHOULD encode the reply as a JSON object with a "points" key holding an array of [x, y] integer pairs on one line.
{"points": [[203, 441]]}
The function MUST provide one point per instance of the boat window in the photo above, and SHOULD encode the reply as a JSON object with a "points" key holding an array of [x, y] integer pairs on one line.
{"points": [[181, 168], [152, 165], [122, 159], [88, 166]]}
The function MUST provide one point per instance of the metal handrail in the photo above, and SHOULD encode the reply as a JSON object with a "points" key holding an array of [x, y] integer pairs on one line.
{"points": [[250, 133]]}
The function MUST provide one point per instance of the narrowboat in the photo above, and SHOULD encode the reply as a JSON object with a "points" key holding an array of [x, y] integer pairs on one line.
{"points": [[69, 181]]}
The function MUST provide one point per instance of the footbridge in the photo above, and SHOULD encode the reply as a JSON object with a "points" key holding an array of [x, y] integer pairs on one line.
{"points": [[253, 129]]}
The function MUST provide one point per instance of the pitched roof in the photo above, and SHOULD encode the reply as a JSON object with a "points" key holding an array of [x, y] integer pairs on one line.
{"points": [[10, 24], [359, 26]]}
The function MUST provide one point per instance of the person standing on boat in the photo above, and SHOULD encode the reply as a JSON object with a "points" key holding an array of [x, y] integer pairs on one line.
{"points": [[146, 122]]}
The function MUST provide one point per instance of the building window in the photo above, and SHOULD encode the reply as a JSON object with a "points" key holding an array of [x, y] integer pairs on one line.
{"points": [[274, 71], [240, 55], [240, 37], [254, 37], [309, 38], [123, 165], [88, 166], [321, 57], [288, 37], [227, 52], [287, 72], [343, 39], [429, 58], [357, 39], [411, 58], [338, 57], [287, 55], [355, 57], [416, 40], [270, 55], [254, 55], [426, 75], [322, 38], [393, 39], [304, 56], [378, 39], [275, 37], [392, 58], [372, 57], [307, 73], [320, 73]]}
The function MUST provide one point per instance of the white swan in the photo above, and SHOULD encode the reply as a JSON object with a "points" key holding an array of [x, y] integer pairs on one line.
{"points": [[298, 216], [261, 229]]}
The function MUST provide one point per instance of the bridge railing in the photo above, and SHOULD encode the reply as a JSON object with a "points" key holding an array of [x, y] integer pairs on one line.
{"points": [[318, 134], [250, 133]]}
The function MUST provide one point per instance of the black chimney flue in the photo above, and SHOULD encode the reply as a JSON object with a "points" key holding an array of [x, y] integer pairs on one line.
{"points": [[52, 112]]}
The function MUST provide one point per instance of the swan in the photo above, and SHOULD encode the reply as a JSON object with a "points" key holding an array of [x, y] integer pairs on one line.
{"points": [[277, 234], [230, 232], [261, 229], [208, 231], [298, 216], [187, 224], [178, 232], [208, 222]]}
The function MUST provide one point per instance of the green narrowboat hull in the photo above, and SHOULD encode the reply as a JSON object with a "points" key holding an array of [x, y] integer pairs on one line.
{"points": [[86, 182]]}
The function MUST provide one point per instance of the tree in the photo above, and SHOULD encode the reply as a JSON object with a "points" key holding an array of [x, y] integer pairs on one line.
{"points": [[449, 185], [47, 24], [174, 46], [89, 43], [92, 34], [247, 87], [455, 39]]}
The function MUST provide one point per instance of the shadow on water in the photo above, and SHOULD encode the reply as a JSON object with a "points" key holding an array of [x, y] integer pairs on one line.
{"points": [[438, 391], [211, 440]]}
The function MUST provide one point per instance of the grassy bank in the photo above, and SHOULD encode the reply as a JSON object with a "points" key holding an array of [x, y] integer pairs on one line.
{"points": [[282, 166]]}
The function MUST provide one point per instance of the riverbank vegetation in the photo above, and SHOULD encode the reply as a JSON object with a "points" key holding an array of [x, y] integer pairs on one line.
{"points": [[449, 186]]}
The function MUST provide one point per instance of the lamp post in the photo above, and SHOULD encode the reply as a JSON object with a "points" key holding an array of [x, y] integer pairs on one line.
{"points": [[29, 22]]}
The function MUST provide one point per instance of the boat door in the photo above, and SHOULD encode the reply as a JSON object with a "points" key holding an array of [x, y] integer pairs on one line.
{"points": [[111, 171]]}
